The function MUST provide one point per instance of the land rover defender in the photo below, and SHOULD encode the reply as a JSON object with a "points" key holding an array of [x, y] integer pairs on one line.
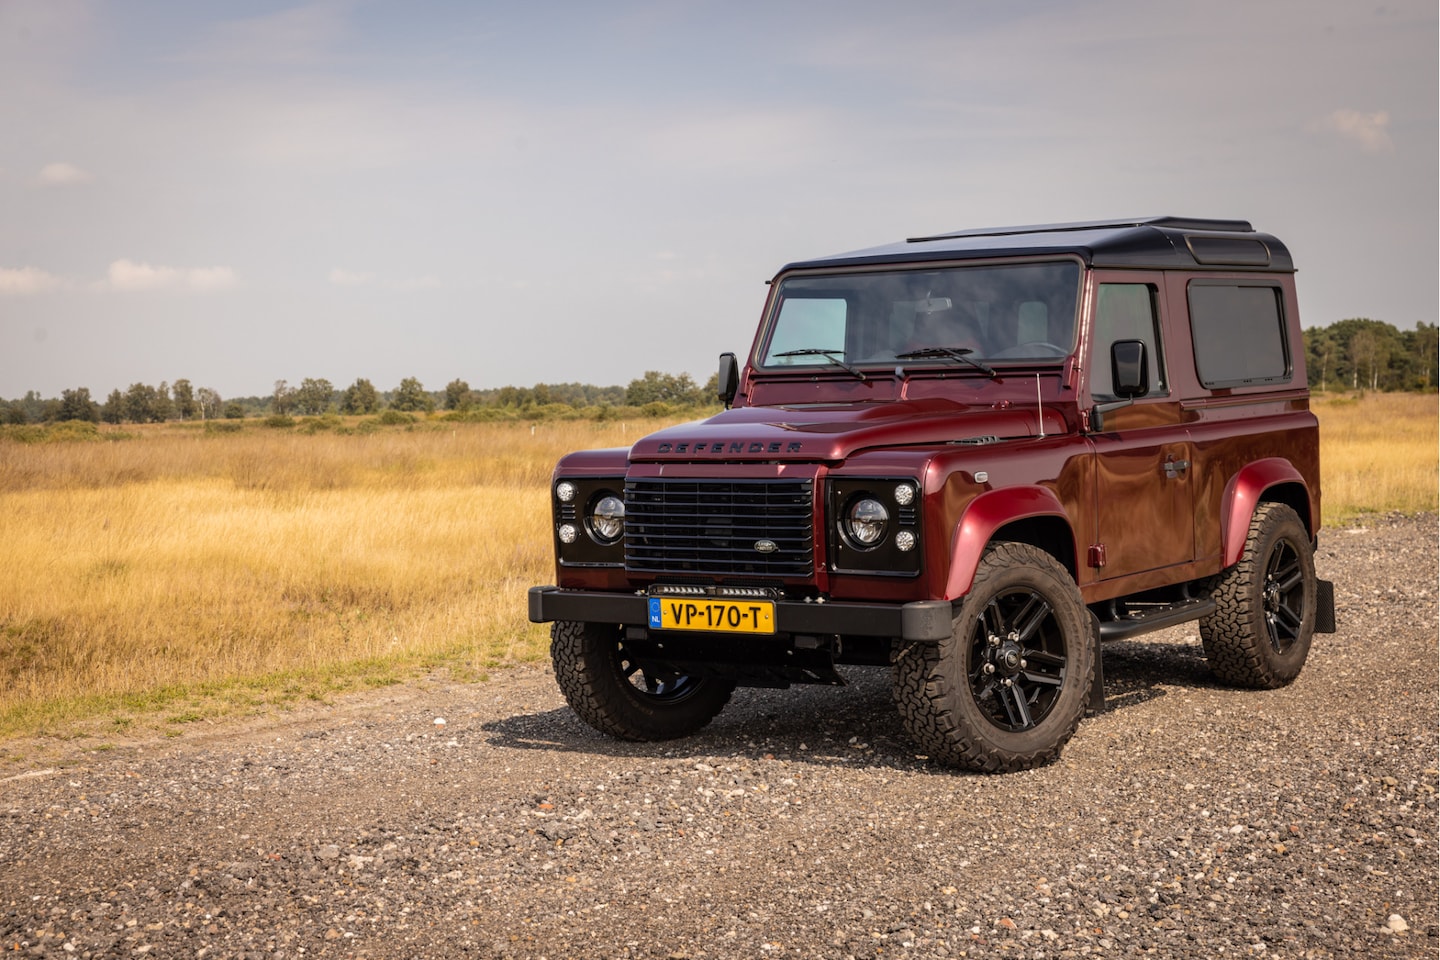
{"points": [[969, 458]]}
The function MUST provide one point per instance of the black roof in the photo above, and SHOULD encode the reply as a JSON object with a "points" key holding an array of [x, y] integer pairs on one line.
{"points": [[1183, 243]]}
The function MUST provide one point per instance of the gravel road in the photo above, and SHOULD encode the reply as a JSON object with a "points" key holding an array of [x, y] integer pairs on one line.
{"points": [[1188, 820]]}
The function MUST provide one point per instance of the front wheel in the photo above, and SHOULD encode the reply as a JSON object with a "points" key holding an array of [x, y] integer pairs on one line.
{"points": [[617, 695], [1007, 690], [1259, 635]]}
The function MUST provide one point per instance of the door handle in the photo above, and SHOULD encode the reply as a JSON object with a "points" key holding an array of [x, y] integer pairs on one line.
{"points": [[1174, 469]]}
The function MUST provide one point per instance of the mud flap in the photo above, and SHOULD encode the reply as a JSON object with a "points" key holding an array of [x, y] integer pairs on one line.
{"points": [[1097, 683], [1324, 606]]}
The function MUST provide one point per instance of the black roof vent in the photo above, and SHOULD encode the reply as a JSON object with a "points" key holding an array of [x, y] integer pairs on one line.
{"points": [[1228, 251]]}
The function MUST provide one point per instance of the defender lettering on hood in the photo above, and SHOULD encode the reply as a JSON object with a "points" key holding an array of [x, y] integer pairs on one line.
{"points": [[721, 447]]}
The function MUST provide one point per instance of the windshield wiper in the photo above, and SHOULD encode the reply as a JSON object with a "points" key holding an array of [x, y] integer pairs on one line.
{"points": [[831, 355], [954, 353]]}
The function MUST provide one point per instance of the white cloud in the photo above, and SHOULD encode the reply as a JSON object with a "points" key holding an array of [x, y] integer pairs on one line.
{"points": [[62, 174], [128, 275], [349, 278], [1369, 130], [23, 281], [131, 276]]}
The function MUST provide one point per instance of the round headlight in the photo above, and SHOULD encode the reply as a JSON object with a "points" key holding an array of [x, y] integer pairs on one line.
{"points": [[865, 522], [565, 491], [607, 519]]}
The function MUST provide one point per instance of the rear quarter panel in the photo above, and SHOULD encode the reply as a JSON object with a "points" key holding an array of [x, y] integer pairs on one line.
{"points": [[1235, 427]]}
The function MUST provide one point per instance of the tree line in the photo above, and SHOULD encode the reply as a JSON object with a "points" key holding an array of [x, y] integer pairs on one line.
{"points": [[1363, 354], [141, 403], [1354, 354], [181, 400]]}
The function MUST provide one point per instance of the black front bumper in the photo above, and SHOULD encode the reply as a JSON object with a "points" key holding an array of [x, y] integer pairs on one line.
{"points": [[921, 620]]}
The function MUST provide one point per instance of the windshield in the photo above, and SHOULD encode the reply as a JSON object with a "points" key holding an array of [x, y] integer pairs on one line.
{"points": [[1015, 312]]}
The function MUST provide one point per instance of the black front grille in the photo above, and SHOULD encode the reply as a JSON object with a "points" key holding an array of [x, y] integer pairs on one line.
{"points": [[713, 527]]}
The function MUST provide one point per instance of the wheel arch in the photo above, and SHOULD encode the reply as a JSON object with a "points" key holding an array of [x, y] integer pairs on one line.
{"points": [[1273, 480], [1031, 515]]}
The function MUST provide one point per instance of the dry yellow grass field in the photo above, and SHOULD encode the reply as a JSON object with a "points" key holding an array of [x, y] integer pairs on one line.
{"points": [[181, 572], [178, 572], [1378, 454]]}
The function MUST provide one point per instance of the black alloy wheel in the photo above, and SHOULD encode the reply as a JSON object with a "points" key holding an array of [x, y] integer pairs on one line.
{"points": [[1284, 595], [651, 683], [1008, 688], [611, 690], [1017, 660], [1265, 605]]}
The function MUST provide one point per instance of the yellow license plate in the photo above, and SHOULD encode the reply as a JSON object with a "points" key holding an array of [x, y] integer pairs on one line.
{"points": [[712, 616]]}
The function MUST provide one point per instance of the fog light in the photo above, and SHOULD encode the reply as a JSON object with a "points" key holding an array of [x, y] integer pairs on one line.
{"points": [[567, 533], [904, 494], [904, 541], [565, 492]]}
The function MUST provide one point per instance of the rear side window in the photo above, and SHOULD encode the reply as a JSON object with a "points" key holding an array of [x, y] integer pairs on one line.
{"points": [[1239, 333]]}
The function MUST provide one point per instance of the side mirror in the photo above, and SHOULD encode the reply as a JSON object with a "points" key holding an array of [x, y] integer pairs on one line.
{"points": [[1129, 369], [729, 378], [1129, 378]]}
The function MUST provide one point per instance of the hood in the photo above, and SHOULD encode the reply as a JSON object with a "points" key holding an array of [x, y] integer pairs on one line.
{"points": [[834, 432]]}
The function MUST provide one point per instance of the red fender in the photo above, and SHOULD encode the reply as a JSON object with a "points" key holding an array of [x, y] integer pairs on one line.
{"points": [[986, 514], [1242, 495]]}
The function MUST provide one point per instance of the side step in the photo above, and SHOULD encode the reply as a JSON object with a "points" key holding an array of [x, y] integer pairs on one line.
{"points": [[1156, 619]]}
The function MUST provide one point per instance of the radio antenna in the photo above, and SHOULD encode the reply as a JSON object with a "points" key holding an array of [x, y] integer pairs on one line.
{"points": [[1039, 406]]}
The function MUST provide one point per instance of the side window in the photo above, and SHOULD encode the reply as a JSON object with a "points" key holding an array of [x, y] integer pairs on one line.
{"points": [[805, 323], [1239, 333], [1125, 311]]}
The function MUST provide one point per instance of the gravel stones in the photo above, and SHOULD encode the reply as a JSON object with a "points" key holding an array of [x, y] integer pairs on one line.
{"points": [[1187, 820]]}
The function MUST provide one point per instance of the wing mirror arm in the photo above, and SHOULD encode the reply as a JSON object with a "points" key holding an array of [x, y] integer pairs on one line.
{"points": [[1130, 377], [1097, 413]]}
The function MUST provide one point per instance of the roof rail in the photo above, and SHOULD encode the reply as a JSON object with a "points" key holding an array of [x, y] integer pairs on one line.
{"points": [[1173, 223]]}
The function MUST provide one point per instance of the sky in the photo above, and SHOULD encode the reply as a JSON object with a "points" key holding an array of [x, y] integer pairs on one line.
{"points": [[237, 193]]}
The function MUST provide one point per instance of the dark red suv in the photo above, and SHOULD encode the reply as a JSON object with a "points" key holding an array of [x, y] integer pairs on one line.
{"points": [[970, 458]]}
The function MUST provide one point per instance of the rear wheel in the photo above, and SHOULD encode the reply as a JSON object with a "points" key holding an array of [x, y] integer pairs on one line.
{"points": [[612, 692], [1006, 691], [1259, 635]]}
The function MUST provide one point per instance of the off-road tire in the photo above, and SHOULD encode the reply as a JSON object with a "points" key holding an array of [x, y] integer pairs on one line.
{"points": [[950, 705], [1259, 635], [611, 693]]}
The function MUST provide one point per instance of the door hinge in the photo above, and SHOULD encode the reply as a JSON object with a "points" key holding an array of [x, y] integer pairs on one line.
{"points": [[1096, 555]]}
